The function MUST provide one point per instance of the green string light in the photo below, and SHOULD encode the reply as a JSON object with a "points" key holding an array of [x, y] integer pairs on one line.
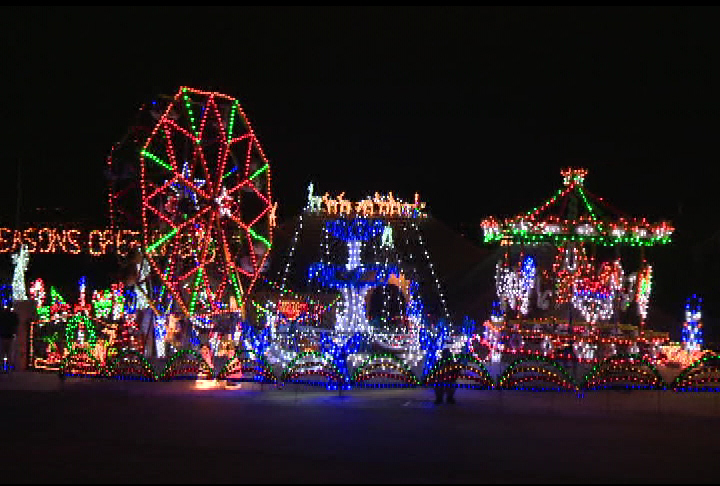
{"points": [[232, 119], [195, 292], [232, 171], [236, 287], [258, 237], [259, 171], [156, 159], [189, 110], [162, 240]]}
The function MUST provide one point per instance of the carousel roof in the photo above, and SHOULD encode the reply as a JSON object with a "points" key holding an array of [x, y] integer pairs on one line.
{"points": [[575, 214]]}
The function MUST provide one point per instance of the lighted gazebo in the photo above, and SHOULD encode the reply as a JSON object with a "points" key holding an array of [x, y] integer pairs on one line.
{"points": [[562, 280]]}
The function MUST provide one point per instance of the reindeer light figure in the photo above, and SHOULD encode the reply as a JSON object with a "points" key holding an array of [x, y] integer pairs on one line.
{"points": [[366, 207], [345, 206], [314, 202], [331, 205], [393, 205], [383, 205]]}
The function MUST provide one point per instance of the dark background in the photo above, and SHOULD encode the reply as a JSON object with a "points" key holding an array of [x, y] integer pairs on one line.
{"points": [[478, 109]]}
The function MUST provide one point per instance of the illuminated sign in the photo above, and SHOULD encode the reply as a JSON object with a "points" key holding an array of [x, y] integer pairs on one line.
{"points": [[291, 309], [73, 241], [96, 242]]}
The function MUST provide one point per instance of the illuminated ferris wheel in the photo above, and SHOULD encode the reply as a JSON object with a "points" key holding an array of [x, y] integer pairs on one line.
{"points": [[207, 210]]}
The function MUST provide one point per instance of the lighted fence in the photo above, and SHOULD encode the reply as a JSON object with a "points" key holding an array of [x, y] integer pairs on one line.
{"points": [[382, 370]]}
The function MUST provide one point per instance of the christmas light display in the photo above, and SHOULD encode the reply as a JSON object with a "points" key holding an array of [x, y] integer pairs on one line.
{"points": [[312, 363], [186, 364], [466, 367], [692, 327], [247, 365], [536, 373], [595, 297], [492, 336], [584, 295], [190, 203], [102, 327], [130, 365], [514, 285], [378, 255], [292, 309], [642, 297], [387, 239], [702, 375], [339, 362], [354, 280], [96, 242], [624, 371], [80, 362], [384, 366], [582, 217], [206, 202], [377, 206], [6, 298], [20, 262]]}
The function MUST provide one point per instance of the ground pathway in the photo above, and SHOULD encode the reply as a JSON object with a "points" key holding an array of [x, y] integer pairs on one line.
{"points": [[87, 430]]}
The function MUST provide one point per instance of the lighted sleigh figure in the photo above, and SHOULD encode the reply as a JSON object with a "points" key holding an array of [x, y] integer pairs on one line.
{"points": [[562, 284]]}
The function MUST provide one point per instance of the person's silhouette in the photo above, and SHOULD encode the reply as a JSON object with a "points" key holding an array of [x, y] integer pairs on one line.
{"points": [[448, 377]]}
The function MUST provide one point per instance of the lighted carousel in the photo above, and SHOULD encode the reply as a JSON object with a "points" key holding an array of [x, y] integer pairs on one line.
{"points": [[573, 277]]}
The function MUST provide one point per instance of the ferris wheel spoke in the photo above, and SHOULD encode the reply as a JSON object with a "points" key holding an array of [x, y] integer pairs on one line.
{"points": [[190, 273], [223, 241], [203, 163], [205, 243], [257, 173], [194, 188], [248, 155], [173, 124], [170, 150], [157, 191], [157, 160], [237, 221], [240, 139], [194, 219], [265, 211], [168, 284], [160, 215], [258, 237]]}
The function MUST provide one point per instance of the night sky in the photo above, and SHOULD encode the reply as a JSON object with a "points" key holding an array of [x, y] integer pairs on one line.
{"points": [[477, 109]]}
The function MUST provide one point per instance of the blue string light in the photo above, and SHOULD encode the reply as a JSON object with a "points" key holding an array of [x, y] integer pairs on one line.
{"points": [[692, 335], [338, 276], [358, 229]]}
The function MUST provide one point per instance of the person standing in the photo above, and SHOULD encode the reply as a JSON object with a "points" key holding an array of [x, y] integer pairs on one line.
{"points": [[449, 377], [9, 324]]}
